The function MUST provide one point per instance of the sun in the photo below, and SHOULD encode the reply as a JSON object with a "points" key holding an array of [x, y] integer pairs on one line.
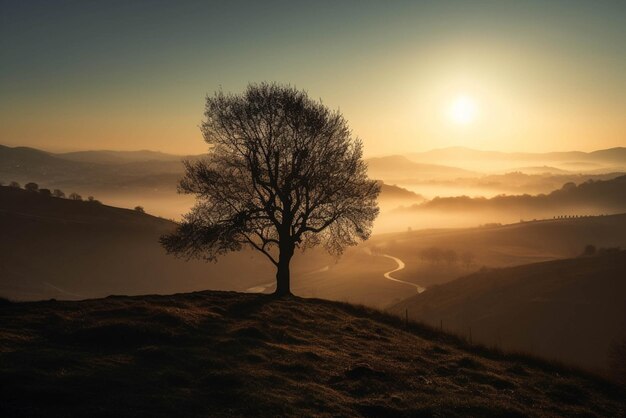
{"points": [[463, 110]]}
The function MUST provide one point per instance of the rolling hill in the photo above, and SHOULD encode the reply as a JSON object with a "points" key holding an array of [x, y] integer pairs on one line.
{"points": [[101, 250], [583, 199], [572, 310], [608, 195], [227, 354], [496, 246], [64, 249]]}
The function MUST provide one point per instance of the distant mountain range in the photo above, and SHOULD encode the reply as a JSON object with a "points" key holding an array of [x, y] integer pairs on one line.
{"points": [[600, 161], [118, 157], [148, 178], [396, 168], [615, 155]]}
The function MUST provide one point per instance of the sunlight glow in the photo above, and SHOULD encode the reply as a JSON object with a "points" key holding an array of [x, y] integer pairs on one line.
{"points": [[463, 110]]}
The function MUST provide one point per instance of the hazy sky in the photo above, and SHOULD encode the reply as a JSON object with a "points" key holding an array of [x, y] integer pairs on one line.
{"points": [[524, 75]]}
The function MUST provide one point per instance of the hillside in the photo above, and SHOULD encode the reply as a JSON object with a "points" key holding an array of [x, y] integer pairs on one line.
{"points": [[64, 249], [495, 245], [608, 195], [591, 197], [571, 310], [229, 354]]}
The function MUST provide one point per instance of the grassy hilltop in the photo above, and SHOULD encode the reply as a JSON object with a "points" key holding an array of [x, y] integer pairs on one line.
{"points": [[225, 353]]}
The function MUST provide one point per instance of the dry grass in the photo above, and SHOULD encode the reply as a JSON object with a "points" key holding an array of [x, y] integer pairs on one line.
{"points": [[224, 354]]}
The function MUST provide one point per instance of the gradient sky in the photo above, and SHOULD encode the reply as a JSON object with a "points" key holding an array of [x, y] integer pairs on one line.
{"points": [[133, 74]]}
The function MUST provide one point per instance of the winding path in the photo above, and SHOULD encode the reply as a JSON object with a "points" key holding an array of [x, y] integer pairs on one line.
{"points": [[267, 286], [401, 266]]}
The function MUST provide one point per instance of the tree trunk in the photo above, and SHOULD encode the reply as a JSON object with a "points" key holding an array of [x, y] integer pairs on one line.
{"points": [[282, 273]]}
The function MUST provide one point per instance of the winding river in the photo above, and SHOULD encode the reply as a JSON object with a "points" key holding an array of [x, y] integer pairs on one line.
{"points": [[400, 266]]}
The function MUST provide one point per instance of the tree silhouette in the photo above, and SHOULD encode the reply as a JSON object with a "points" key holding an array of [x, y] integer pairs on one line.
{"points": [[31, 187], [283, 172], [58, 193], [45, 192], [14, 184], [139, 209], [75, 196], [589, 250]]}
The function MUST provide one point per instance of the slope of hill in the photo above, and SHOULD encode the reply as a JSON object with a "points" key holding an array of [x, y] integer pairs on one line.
{"points": [[587, 198], [392, 196], [571, 310], [608, 194], [229, 354], [59, 248], [495, 245]]}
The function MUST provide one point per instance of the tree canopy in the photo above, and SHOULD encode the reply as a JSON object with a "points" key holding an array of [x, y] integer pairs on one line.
{"points": [[283, 172]]}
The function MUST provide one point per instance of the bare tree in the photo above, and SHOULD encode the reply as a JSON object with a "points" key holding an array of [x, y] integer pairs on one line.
{"points": [[75, 196], [283, 172], [58, 193]]}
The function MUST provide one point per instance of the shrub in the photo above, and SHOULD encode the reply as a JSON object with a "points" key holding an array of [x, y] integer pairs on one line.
{"points": [[31, 187], [590, 250]]}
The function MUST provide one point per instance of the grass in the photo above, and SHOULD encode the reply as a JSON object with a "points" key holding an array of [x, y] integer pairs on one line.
{"points": [[225, 354]]}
